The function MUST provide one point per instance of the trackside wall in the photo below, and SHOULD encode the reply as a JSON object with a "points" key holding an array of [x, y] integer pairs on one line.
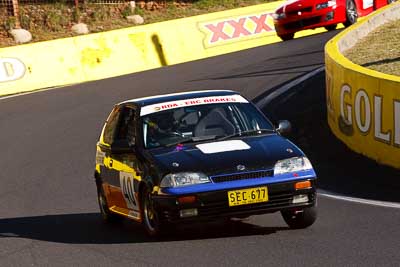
{"points": [[108, 54], [363, 105], [114, 53]]}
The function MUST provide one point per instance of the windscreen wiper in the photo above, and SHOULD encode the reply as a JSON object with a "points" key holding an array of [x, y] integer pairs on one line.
{"points": [[244, 133], [192, 139]]}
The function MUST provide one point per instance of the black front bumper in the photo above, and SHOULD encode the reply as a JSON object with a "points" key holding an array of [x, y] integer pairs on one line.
{"points": [[211, 205]]}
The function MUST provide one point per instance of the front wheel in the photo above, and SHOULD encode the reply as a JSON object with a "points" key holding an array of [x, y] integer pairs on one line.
{"points": [[286, 37], [151, 221], [300, 219], [331, 27], [351, 13]]}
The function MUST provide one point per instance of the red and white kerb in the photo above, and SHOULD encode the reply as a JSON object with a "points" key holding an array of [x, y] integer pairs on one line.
{"points": [[191, 102]]}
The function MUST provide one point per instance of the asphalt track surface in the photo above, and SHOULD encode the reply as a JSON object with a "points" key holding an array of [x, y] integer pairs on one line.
{"points": [[48, 210]]}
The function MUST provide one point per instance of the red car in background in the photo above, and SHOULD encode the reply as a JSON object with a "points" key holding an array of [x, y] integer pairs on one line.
{"points": [[297, 15]]}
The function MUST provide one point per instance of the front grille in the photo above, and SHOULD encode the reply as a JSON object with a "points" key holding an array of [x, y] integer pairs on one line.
{"points": [[242, 176], [302, 23]]}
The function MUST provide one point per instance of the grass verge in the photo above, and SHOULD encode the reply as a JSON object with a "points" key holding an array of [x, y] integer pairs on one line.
{"points": [[379, 50]]}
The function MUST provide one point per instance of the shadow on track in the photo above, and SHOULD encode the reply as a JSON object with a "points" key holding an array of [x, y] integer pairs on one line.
{"points": [[87, 228], [292, 61], [298, 69]]}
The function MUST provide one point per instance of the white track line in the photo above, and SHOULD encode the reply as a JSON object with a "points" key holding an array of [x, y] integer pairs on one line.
{"points": [[33, 92], [287, 86], [359, 200]]}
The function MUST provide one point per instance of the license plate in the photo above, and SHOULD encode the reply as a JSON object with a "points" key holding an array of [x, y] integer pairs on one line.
{"points": [[248, 196]]}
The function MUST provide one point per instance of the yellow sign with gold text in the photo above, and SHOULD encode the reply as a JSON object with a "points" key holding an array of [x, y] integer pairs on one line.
{"points": [[363, 106]]}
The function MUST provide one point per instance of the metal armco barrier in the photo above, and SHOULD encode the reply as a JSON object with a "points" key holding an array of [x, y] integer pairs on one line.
{"points": [[363, 105]]}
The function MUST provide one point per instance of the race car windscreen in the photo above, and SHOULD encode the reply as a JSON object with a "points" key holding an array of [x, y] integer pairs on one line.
{"points": [[203, 122]]}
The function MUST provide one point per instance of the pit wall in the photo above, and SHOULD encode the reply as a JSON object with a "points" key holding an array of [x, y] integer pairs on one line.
{"points": [[114, 53], [363, 105]]}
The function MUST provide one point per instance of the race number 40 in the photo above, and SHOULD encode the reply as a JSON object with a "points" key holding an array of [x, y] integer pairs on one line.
{"points": [[128, 190]]}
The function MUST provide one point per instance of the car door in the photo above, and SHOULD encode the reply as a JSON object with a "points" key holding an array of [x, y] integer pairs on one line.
{"points": [[103, 157], [124, 177]]}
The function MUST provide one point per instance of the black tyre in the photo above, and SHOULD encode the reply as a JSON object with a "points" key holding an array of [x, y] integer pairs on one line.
{"points": [[351, 13], [107, 215], [300, 220], [151, 222], [286, 37], [390, 1], [331, 27]]}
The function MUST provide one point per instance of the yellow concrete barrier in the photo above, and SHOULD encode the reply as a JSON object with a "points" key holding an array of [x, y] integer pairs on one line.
{"points": [[363, 105], [109, 54]]}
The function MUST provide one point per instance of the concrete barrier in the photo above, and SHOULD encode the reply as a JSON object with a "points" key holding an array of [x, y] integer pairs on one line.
{"points": [[363, 105], [109, 54]]}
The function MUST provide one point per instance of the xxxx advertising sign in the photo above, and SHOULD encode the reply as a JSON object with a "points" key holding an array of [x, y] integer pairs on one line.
{"points": [[240, 28]]}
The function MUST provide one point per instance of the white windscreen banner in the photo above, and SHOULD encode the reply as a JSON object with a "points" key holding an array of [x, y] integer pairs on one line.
{"points": [[191, 102]]}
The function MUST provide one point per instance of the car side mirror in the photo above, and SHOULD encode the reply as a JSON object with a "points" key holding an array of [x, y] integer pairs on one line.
{"points": [[122, 146], [284, 127]]}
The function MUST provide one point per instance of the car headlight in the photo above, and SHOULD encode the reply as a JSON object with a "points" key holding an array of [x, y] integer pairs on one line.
{"points": [[278, 16], [292, 165], [184, 178], [325, 5]]}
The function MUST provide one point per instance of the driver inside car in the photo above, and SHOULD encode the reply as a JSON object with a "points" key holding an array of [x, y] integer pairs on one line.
{"points": [[161, 127]]}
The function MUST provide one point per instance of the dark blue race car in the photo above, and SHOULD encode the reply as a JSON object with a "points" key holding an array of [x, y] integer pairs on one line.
{"points": [[194, 156]]}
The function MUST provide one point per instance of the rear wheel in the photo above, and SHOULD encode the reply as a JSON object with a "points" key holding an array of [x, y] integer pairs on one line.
{"points": [[301, 218], [286, 37], [351, 13], [331, 27], [390, 1], [151, 220], [107, 215]]}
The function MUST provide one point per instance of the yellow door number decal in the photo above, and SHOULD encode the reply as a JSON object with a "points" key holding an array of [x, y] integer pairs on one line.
{"points": [[128, 190]]}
